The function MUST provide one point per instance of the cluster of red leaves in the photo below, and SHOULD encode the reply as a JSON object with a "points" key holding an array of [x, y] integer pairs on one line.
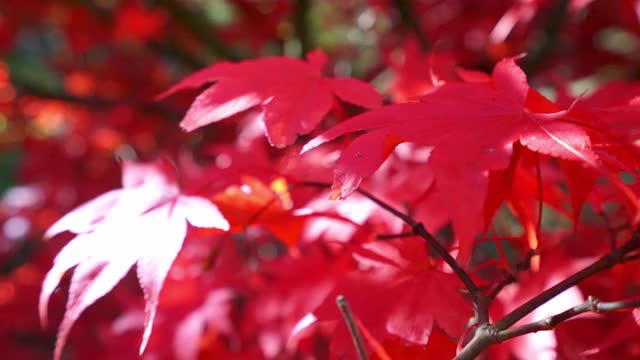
{"points": [[240, 244]]}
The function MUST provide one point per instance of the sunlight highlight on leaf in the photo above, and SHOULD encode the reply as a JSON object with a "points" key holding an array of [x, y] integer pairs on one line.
{"points": [[144, 223]]}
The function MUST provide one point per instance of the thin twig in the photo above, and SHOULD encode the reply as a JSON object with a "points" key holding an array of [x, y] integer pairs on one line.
{"points": [[395, 236], [302, 24], [591, 305], [351, 324], [510, 278], [540, 195], [480, 301], [488, 334], [478, 297], [397, 213], [603, 263]]}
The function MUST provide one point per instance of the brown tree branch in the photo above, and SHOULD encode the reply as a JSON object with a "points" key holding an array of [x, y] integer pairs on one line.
{"points": [[487, 334], [508, 280], [606, 262], [591, 305], [395, 236], [511, 277]]}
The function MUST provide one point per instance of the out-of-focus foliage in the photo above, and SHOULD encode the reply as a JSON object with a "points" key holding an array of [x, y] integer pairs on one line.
{"points": [[453, 146]]}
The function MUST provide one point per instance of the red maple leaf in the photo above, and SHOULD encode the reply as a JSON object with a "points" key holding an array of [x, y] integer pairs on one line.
{"points": [[293, 94], [256, 203], [143, 223], [397, 293], [472, 128]]}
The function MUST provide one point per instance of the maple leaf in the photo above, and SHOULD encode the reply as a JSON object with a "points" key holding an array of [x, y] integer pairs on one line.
{"points": [[417, 72], [293, 94], [256, 203], [472, 128], [397, 293], [611, 113], [143, 223], [401, 267]]}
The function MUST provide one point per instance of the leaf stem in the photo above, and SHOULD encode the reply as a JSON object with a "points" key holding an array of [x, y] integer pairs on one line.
{"points": [[488, 334], [395, 236], [479, 299], [343, 306]]}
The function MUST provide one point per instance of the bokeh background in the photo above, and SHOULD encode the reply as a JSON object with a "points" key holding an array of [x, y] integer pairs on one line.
{"points": [[78, 80]]}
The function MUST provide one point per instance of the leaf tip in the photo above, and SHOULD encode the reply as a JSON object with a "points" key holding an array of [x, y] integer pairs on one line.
{"points": [[43, 311], [314, 143], [223, 225], [145, 338], [187, 127]]}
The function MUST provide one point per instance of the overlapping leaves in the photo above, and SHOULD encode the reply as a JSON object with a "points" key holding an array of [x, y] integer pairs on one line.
{"points": [[293, 95], [472, 128]]}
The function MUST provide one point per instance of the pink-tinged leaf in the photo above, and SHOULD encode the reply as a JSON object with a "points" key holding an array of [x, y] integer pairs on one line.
{"points": [[135, 175], [214, 312], [143, 223], [166, 233], [201, 213], [91, 280], [84, 218], [293, 94], [71, 255], [356, 92], [503, 27]]}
